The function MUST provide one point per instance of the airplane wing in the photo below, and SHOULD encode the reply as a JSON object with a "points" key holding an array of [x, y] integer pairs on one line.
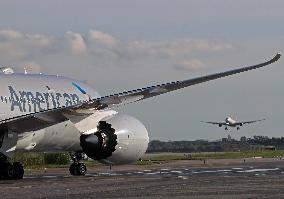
{"points": [[151, 91], [217, 123], [248, 122], [49, 117]]}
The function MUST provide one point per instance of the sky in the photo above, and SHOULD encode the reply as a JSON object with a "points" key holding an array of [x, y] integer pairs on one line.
{"points": [[127, 44]]}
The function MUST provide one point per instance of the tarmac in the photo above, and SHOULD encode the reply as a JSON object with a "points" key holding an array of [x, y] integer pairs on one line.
{"points": [[252, 178]]}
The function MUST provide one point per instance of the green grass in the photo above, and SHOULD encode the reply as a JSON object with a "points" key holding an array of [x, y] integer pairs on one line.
{"points": [[34, 161], [89, 163], [143, 162], [217, 155], [236, 155], [41, 167]]}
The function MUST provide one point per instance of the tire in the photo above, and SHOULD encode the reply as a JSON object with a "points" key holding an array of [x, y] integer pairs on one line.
{"points": [[72, 169], [81, 169], [8, 171], [78, 169], [18, 171]]}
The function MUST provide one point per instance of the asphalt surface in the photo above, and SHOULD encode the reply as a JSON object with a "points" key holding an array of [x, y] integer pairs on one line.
{"points": [[255, 178]]}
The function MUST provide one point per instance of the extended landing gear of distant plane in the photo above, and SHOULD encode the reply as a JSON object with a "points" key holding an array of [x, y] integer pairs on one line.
{"points": [[226, 128], [10, 171], [238, 128], [77, 168]]}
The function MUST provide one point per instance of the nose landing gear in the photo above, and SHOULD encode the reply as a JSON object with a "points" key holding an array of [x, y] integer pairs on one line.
{"points": [[77, 168]]}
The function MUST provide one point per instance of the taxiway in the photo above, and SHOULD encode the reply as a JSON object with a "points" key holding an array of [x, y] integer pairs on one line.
{"points": [[254, 178]]}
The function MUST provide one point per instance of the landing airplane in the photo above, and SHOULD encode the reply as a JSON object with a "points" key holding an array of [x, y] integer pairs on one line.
{"points": [[232, 123], [45, 113]]}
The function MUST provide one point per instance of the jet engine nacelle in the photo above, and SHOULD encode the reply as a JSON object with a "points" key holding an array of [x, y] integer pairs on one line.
{"points": [[119, 139]]}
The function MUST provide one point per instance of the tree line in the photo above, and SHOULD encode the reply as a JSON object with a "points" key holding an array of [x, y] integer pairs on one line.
{"points": [[222, 145]]}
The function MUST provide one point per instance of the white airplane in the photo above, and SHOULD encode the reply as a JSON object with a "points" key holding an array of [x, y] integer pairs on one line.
{"points": [[232, 123], [45, 113]]}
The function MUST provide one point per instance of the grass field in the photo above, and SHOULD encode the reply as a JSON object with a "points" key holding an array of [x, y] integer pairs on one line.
{"points": [[213, 155], [37, 161]]}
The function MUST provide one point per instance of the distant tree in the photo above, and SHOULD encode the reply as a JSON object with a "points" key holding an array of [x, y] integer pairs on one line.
{"points": [[243, 139], [225, 144]]}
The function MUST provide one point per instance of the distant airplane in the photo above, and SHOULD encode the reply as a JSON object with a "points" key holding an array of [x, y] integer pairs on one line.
{"points": [[232, 123], [51, 113]]}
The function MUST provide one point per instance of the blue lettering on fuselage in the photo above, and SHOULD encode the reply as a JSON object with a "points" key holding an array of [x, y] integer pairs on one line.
{"points": [[27, 101]]}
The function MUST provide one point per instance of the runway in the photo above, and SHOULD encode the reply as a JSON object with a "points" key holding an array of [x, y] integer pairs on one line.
{"points": [[176, 179]]}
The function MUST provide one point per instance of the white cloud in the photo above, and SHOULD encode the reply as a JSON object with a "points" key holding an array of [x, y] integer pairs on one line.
{"points": [[100, 49], [192, 65], [10, 34], [76, 43], [101, 37], [178, 47], [40, 40]]}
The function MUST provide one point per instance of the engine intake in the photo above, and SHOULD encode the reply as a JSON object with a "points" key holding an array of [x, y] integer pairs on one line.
{"points": [[101, 144], [119, 139]]}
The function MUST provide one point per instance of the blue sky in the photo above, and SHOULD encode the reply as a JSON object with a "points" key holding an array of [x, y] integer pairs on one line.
{"points": [[126, 44]]}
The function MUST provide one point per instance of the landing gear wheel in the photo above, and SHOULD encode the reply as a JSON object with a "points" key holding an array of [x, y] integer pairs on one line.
{"points": [[18, 170], [72, 169], [8, 171], [77, 169], [81, 169]]}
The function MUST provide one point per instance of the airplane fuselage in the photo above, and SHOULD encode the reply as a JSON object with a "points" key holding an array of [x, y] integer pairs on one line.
{"points": [[230, 122], [22, 94]]}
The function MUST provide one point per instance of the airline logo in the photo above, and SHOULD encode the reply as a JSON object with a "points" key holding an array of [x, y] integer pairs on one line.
{"points": [[27, 101], [88, 97]]}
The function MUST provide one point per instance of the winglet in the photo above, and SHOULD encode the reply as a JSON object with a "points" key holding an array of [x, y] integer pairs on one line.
{"points": [[277, 56], [274, 59]]}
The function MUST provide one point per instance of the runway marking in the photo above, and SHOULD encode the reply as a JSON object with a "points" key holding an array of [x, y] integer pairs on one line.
{"points": [[182, 174], [204, 172], [183, 177], [258, 170], [237, 168], [154, 173], [176, 171], [224, 170]]}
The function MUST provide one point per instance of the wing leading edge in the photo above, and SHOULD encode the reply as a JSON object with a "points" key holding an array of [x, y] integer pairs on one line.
{"points": [[144, 93], [217, 123], [249, 122], [49, 117]]}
